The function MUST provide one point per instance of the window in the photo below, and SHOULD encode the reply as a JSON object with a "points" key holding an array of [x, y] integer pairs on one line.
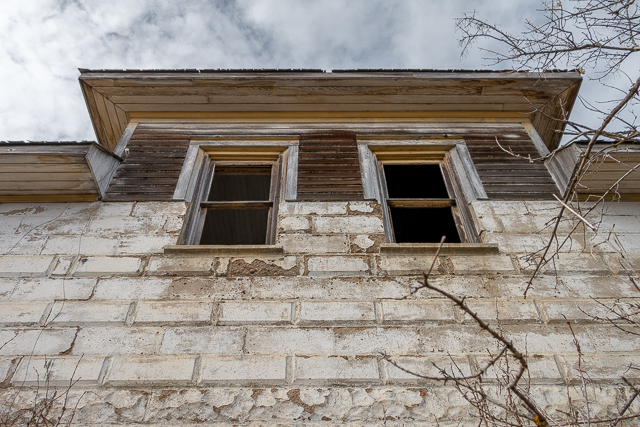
{"points": [[238, 209], [424, 188], [419, 203], [234, 193]]}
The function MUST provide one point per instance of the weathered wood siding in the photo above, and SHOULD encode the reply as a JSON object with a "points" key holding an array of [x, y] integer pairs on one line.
{"points": [[152, 168], [506, 176], [157, 151], [54, 171], [328, 168]]}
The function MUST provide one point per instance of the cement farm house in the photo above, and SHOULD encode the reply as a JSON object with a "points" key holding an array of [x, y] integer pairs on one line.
{"points": [[241, 248]]}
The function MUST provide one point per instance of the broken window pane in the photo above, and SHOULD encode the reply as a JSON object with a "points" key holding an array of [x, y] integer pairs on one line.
{"points": [[415, 195]]}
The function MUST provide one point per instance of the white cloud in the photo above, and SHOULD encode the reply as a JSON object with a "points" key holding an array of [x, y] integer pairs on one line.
{"points": [[43, 42]]}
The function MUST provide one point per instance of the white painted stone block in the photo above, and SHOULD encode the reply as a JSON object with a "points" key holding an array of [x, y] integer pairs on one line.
{"points": [[117, 340], [286, 341], [305, 243], [596, 339], [6, 365], [593, 286], [156, 370], [29, 244], [147, 209], [490, 224], [62, 245], [243, 312], [183, 266], [522, 224], [64, 225], [349, 224], [417, 311], [113, 209], [563, 311], [504, 207], [58, 371], [543, 208], [601, 368], [519, 244], [25, 266], [318, 208], [22, 313], [173, 225], [115, 225], [541, 369], [190, 312], [209, 288], [337, 266], [203, 340], [336, 370], [337, 312], [364, 207], [425, 367], [490, 264], [108, 266], [368, 341], [573, 263], [126, 288], [326, 288], [243, 370], [144, 245], [294, 223], [397, 265], [482, 208], [7, 286], [62, 266], [35, 341], [363, 241], [619, 224], [93, 245], [78, 313], [629, 241], [44, 289], [505, 311], [545, 224], [32, 209]]}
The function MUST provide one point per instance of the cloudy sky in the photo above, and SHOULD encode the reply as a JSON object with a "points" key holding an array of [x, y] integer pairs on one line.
{"points": [[44, 42]]}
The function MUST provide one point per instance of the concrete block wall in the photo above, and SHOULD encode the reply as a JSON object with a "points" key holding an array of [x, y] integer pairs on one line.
{"points": [[87, 292]]}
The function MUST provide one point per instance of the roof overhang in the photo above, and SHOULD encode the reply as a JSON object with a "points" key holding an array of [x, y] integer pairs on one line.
{"points": [[114, 97], [55, 171], [614, 172]]}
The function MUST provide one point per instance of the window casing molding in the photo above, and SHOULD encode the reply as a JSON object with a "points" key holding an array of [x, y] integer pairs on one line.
{"points": [[460, 175], [198, 172]]}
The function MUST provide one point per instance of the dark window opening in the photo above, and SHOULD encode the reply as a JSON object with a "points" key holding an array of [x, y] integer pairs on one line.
{"points": [[240, 183], [421, 209], [423, 225], [238, 206], [235, 227], [415, 182]]}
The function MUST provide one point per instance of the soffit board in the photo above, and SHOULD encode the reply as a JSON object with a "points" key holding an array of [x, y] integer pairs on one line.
{"points": [[54, 171], [111, 96], [615, 172]]}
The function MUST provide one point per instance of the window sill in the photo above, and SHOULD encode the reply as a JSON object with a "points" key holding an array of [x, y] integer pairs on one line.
{"points": [[224, 250], [432, 248]]}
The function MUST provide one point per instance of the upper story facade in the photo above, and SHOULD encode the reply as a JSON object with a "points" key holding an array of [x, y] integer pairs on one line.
{"points": [[243, 247]]}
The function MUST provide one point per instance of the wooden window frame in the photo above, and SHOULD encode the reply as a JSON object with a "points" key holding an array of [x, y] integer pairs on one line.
{"points": [[198, 172], [460, 177]]}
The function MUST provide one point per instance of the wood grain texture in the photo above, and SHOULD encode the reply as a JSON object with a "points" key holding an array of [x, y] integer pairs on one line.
{"points": [[329, 168], [328, 164], [152, 168], [508, 177], [114, 97]]}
